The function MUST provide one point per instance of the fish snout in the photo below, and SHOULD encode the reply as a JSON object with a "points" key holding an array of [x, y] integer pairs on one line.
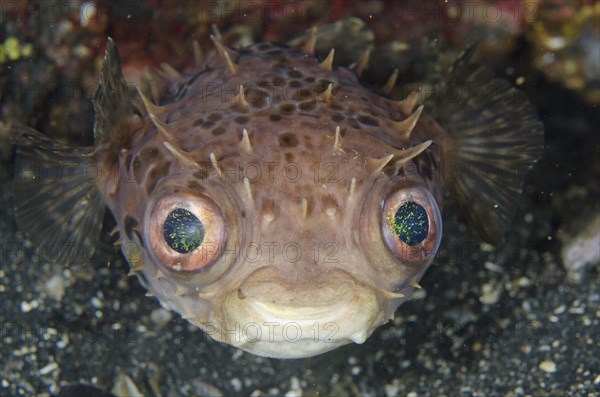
{"points": [[272, 315]]}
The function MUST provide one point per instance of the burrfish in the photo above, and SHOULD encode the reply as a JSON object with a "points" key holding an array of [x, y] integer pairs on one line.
{"points": [[274, 200]]}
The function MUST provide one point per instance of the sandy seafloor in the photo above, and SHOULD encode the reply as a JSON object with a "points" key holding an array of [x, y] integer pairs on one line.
{"points": [[489, 322]]}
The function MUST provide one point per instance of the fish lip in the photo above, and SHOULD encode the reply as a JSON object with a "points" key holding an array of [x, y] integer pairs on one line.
{"points": [[282, 313], [353, 311]]}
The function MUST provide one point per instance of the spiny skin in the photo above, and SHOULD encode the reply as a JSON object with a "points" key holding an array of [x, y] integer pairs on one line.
{"points": [[301, 204]]}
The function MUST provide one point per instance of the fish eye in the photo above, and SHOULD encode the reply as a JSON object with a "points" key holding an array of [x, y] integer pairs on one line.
{"points": [[411, 224], [186, 232]]}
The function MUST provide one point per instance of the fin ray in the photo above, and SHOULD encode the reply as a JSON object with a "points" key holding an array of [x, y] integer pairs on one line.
{"points": [[56, 199], [497, 139]]}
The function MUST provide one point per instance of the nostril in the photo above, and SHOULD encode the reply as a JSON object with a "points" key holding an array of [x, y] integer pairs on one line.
{"points": [[240, 294]]}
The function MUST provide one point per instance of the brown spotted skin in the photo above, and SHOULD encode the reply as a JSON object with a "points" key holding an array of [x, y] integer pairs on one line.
{"points": [[303, 246]]}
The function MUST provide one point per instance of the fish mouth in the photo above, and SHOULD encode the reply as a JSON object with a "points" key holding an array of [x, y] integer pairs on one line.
{"points": [[271, 316]]}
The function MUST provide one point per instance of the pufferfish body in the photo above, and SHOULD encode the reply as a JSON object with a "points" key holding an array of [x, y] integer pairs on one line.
{"points": [[273, 200]]}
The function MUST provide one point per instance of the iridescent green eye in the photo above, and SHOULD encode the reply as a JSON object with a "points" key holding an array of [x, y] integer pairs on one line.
{"points": [[411, 223], [183, 231]]}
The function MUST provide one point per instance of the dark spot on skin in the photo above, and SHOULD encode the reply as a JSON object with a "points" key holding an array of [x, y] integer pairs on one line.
{"points": [[263, 83], [129, 224], [155, 175], [289, 157], [337, 117], [364, 99], [218, 131], [295, 84], [278, 81], [306, 106], [215, 117], [368, 120], [294, 73], [288, 139], [243, 214], [194, 185], [274, 117], [335, 106], [305, 94], [208, 124], [241, 119], [354, 124], [309, 79], [149, 153], [286, 108], [197, 122]]}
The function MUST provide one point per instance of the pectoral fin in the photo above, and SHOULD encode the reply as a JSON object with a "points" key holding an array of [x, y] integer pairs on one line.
{"points": [[497, 139], [56, 199]]}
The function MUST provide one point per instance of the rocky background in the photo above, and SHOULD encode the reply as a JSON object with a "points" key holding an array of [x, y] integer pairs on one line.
{"points": [[516, 320]]}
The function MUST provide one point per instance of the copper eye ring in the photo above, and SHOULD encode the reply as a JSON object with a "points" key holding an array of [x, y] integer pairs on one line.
{"points": [[186, 232], [411, 224]]}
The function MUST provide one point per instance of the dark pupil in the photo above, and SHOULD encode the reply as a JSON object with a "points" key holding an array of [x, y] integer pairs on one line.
{"points": [[411, 223], [183, 231]]}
